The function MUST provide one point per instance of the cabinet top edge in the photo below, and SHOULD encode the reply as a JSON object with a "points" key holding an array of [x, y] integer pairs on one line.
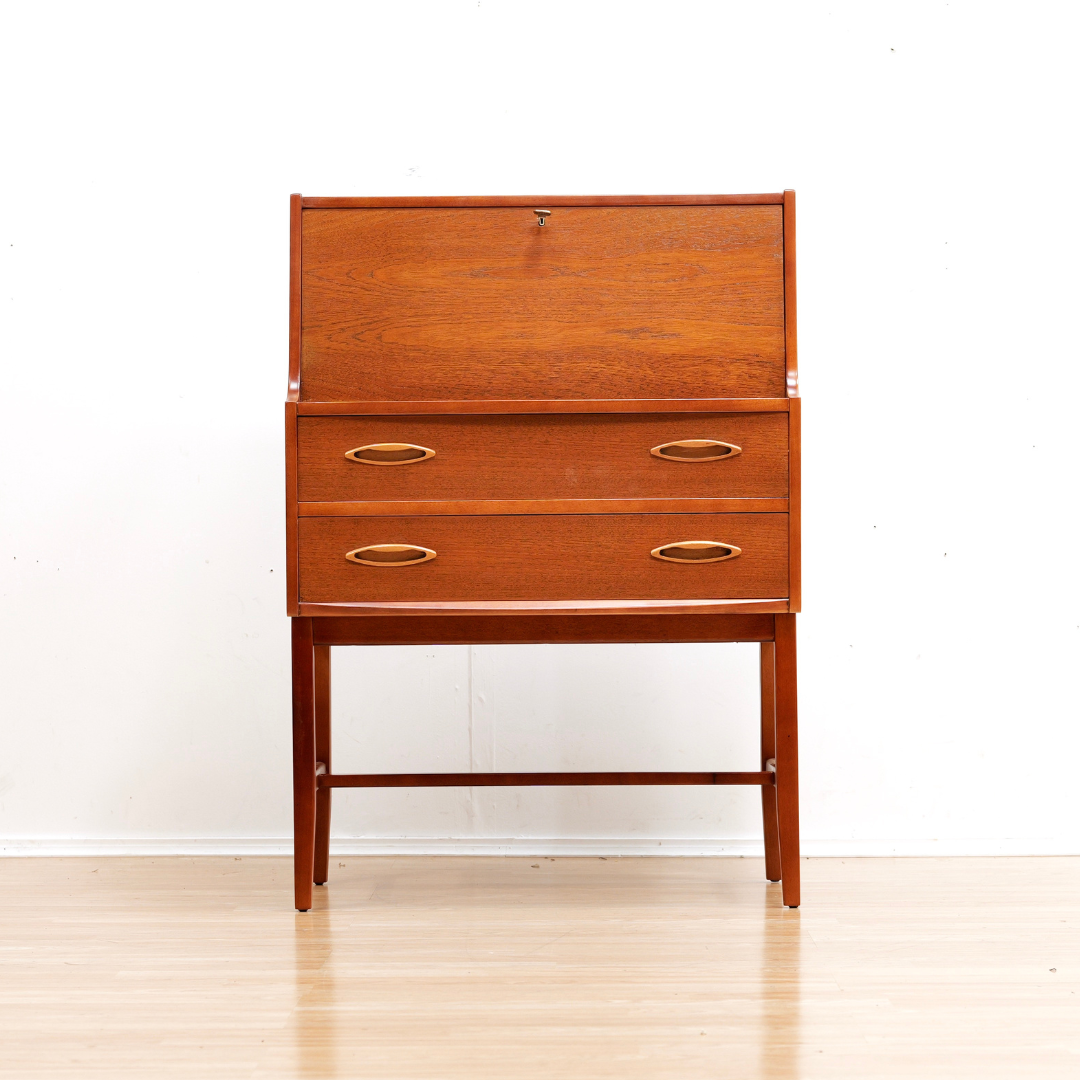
{"points": [[452, 201]]}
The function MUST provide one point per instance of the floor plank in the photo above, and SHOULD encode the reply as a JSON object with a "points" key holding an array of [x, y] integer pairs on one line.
{"points": [[490, 967]]}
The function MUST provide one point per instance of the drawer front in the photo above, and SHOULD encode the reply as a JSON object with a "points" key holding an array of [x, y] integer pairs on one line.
{"points": [[585, 456], [549, 557], [602, 302]]}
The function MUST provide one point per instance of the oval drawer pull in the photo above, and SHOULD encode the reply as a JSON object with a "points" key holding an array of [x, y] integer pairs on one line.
{"points": [[391, 555], [390, 453], [696, 551], [695, 450]]}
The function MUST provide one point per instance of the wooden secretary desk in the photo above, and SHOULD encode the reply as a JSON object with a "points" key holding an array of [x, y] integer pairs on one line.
{"points": [[542, 420]]}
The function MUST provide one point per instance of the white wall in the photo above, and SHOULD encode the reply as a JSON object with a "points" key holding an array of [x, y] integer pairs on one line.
{"points": [[150, 150]]}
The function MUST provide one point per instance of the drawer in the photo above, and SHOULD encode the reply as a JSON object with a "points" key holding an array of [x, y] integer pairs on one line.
{"points": [[548, 557], [579, 456], [437, 303]]}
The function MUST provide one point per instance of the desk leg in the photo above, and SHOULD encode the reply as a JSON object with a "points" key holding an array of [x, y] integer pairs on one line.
{"points": [[768, 751], [303, 686], [322, 753], [787, 758]]}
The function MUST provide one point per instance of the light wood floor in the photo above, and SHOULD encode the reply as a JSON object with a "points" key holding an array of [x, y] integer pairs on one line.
{"points": [[505, 968]]}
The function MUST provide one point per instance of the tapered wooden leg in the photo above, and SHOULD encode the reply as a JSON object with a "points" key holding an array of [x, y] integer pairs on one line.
{"points": [[768, 752], [787, 758], [303, 685], [322, 754]]}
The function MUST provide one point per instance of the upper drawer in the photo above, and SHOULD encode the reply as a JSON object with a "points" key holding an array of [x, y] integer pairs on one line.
{"points": [[580, 456], [601, 302]]}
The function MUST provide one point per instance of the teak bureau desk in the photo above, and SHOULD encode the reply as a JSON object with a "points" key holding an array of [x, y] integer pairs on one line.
{"points": [[542, 420]]}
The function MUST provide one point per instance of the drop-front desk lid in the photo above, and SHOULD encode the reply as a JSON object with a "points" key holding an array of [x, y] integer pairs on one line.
{"points": [[483, 301]]}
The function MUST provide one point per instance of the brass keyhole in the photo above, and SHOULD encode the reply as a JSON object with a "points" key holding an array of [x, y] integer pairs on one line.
{"points": [[542, 216]]}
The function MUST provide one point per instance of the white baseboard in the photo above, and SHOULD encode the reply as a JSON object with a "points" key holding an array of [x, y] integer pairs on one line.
{"points": [[564, 847]]}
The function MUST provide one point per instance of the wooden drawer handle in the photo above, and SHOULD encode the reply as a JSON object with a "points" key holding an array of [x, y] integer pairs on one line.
{"points": [[391, 555], [696, 551], [390, 453], [695, 450]]}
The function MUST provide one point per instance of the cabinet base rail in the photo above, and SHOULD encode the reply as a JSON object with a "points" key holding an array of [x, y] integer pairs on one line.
{"points": [[538, 779]]}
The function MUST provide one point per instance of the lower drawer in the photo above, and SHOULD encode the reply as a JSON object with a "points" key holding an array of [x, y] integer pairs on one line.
{"points": [[544, 557]]}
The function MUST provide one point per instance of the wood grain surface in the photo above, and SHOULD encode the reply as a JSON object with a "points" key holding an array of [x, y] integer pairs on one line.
{"points": [[616, 301], [543, 557], [324, 757], [291, 507], [539, 629], [303, 739], [517, 406], [542, 457], [787, 756], [795, 413], [768, 753], [545, 779], [544, 506], [295, 249], [795, 505], [540, 968], [791, 336], [509, 609], [383, 202]]}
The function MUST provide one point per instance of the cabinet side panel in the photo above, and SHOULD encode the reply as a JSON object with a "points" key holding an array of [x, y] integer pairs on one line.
{"points": [[795, 504], [791, 345], [295, 236], [291, 510], [795, 405]]}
